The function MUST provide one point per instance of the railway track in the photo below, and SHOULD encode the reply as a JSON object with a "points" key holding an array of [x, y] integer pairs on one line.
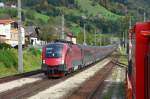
{"points": [[90, 88], [31, 89], [18, 76]]}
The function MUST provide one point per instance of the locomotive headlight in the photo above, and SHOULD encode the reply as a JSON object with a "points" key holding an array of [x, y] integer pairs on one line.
{"points": [[62, 62], [43, 61]]}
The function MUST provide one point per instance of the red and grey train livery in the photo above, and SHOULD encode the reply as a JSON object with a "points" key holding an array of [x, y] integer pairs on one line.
{"points": [[63, 57], [138, 74]]}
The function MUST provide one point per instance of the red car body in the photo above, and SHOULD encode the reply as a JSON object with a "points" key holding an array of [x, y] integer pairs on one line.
{"points": [[138, 76]]}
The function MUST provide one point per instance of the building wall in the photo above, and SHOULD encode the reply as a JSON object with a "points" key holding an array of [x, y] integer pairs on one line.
{"points": [[5, 30], [2, 29], [14, 37], [10, 35]]}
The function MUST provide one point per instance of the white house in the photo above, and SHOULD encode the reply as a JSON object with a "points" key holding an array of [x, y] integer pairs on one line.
{"points": [[13, 6], [71, 37], [32, 37], [9, 32], [2, 5], [34, 41]]}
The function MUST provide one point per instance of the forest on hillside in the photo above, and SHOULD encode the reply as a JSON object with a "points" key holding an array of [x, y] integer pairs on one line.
{"points": [[104, 16]]}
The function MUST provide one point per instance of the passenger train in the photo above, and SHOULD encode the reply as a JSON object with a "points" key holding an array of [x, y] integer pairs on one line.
{"points": [[63, 57]]}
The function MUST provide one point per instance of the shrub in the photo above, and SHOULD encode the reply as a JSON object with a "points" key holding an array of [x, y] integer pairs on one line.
{"points": [[35, 51], [8, 58], [4, 46]]}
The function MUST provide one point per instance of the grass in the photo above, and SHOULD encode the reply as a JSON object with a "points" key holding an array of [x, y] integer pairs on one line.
{"points": [[8, 57], [4, 71], [123, 56], [9, 61], [32, 60]]}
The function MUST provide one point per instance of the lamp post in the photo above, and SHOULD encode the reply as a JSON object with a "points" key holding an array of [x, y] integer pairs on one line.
{"points": [[20, 54]]}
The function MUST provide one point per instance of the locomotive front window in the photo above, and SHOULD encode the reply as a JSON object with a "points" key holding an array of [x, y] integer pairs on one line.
{"points": [[54, 51]]}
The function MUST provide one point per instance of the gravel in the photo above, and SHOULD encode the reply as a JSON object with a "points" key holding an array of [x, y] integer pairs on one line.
{"points": [[20, 82], [68, 86]]}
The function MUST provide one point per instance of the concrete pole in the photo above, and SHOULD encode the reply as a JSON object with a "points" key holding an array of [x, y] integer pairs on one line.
{"points": [[100, 39], [130, 23], [84, 43], [63, 23], [144, 17], [20, 54], [95, 37]]}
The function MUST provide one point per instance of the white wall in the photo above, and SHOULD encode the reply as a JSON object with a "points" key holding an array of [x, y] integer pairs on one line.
{"points": [[5, 30], [23, 35], [2, 5], [36, 41], [2, 29], [14, 42]]}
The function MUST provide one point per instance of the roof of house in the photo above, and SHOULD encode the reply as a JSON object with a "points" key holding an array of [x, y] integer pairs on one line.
{"points": [[6, 21], [30, 31], [70, 34]]}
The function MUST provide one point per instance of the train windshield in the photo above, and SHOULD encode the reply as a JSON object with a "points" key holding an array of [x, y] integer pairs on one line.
{"points": [[54, 51]]}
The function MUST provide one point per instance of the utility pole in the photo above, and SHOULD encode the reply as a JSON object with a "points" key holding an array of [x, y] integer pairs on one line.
{"points": [[95, 37], [124, 39], [100, 39], [84, 18], [63, 24], [84, 43], [144, 16], [20, 54], [130, 23]]}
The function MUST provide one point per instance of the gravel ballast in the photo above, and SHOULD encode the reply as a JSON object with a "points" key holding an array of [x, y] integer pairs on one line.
{"points": [[68, 86]]}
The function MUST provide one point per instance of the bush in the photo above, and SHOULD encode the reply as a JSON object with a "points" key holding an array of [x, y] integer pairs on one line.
{"points": [[8, 58], [30, 14], [35, 51], [4, 46]]}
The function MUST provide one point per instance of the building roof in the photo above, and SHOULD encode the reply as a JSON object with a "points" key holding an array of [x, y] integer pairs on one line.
{"points": [[70, 34], [30, 31], [6, 21]]}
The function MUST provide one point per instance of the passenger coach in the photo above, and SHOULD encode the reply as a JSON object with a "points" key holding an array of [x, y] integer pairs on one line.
{"points": [[138, 74]]}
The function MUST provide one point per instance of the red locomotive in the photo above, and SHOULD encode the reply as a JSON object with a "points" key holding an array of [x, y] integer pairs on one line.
{"points": [[138, 76], [62, 57]]}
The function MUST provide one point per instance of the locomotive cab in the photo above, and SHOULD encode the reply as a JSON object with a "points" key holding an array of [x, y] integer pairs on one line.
{"points": [[53, 60]]}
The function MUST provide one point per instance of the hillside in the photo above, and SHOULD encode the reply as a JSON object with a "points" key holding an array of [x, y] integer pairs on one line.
{"points": [[135, 8], [47, 15], [109, 17], [96, 9], [28, 14]]}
